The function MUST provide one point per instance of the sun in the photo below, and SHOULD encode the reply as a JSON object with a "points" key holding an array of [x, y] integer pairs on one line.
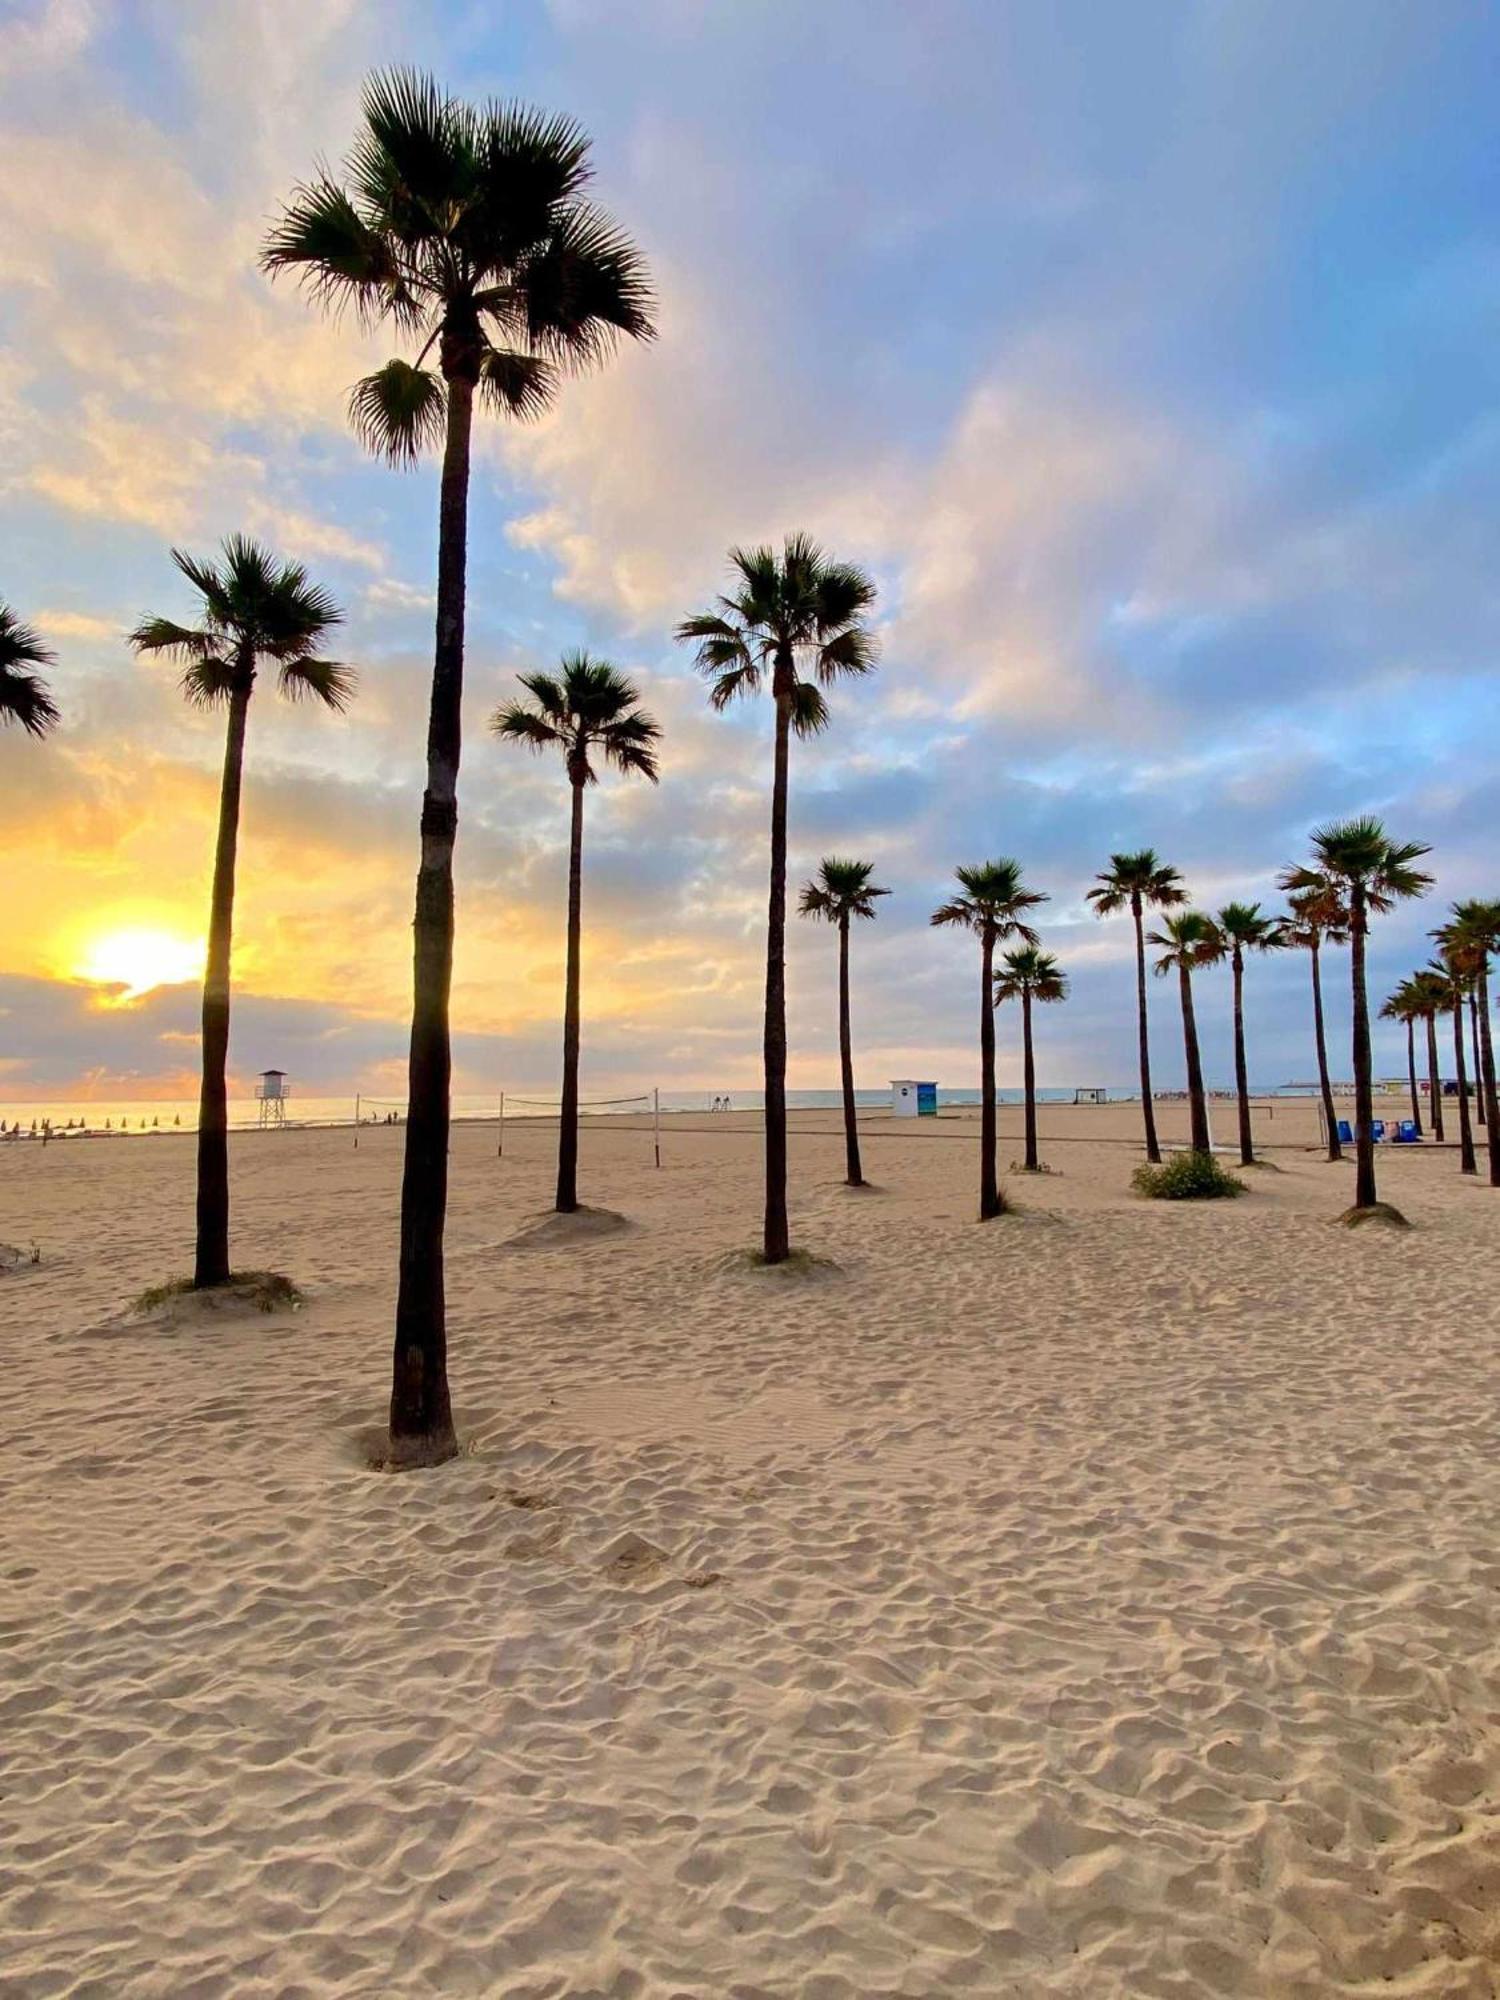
{"points": [[139, 959]]}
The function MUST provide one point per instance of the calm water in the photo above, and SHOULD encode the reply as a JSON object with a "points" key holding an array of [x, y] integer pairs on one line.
{"points": [[181, 1114]]}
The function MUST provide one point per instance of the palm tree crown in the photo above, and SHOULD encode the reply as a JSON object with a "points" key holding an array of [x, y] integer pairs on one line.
{"points": [[468, 228], [1245, 927], [797, 617], [1186, 941], [590, 709], [1031, 973], [24, 695], [1131, 876], [254, 607], [841, 890], [1319, 912], [1358, 854], [993, 901]]}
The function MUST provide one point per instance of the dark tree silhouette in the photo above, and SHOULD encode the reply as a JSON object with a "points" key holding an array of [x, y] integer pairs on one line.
{"points": [[842, 891], [590, 710], [1373, 873], [993, 905], [1030, 975], [1242, 927], [1186, 941], [1475, 930], [255, 610], [1452, 981], [24, 696], [469, 231], [1318, 917], [797, 620], [1137, 882]]}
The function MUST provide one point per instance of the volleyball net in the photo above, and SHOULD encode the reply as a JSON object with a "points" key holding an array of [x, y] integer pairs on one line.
{"points": [[515, 1107]]}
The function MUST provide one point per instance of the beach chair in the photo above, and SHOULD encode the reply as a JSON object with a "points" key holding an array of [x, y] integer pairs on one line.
{"points": [[1346, 1134], [1407, 1133], [1377, 1130]]}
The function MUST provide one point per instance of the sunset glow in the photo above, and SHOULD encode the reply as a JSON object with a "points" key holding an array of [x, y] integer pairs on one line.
{"points": [[141, 959]]}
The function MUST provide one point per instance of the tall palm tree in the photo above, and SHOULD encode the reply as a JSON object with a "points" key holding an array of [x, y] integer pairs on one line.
{"points": [[1186, 941], [1243, 927], [1373, 873], [1407, 1005], [1452, 979], [590, 710], [1318, 917], [1476, 924], [797, 620], [1030, 975], [470, 232], [842, 891], [24, 695], [1139, 881], [993, 905], [255, 611], [1427, 995]]}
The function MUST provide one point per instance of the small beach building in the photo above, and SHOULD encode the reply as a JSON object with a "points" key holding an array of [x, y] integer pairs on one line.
{"points": [[911, 1099]]}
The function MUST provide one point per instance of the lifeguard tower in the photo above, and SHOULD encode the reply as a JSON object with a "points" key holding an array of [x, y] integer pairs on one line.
{"points": [[271, 1094]]}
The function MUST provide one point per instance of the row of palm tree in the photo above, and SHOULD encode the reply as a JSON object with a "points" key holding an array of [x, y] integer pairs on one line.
{"points": [[469, 232], [1457, 983]]}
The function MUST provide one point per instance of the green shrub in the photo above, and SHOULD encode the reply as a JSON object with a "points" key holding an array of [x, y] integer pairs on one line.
{"points": [[1186, 1177]]}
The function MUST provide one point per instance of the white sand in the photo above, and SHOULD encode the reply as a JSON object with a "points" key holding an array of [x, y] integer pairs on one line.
{"points": [[1105, 1602]]}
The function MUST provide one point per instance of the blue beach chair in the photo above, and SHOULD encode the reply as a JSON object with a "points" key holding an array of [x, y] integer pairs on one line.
{"points": [[1377, 1130], [1346, 1135], [1407, 1133]]}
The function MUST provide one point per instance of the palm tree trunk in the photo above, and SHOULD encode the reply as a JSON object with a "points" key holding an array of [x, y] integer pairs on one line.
{"points": [[1241, 1074], [846, 1063], [1335, 1150], [1487, 1073], [1478, 1063], [776, 1242], [1411, 1072], [1197, 1102], [211, 1256], [1364, 1105], [990, 1204], [1029, 1079], [1434, 1079], [1466, 1161], [421, 1414], [1153, 1150], [567, 1123]]}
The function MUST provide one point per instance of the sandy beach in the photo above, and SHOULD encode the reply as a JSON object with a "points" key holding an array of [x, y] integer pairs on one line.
{"points": [[1104, 1602]]}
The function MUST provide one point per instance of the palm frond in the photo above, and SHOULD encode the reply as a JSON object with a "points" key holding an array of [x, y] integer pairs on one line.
{"points": [[208, 681], [514, 722], [308, 678], [585, 287], [516, 385], [809, 710], [398, 412], [24, 696], [340, 259]]}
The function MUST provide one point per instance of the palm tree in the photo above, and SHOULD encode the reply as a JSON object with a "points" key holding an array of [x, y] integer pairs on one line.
{"points": [[1186, 941], [1139, 880], [1027, 975], [797, 620], [1318, 917], [24, 695], [591, 710], [470, 232], [1242, 927], [255, 610], [1476, 926], [1373, 873], [1427, 994], [1407, 1005], [843, 890], [1452, 979], [993, 905]]}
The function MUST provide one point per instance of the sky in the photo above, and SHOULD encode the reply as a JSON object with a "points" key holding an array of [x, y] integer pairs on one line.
{"points": [[1148, 357]]}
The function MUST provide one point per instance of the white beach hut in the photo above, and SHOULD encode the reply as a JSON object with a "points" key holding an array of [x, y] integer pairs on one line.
{"points": [[911, 1099]]}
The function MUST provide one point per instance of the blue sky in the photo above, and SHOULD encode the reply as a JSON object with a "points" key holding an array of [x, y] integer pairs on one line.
{"points": [[1149, 357]]}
